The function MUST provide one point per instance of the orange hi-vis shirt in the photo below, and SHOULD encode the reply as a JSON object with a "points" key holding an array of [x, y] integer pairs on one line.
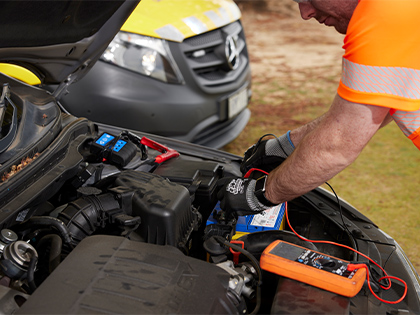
{"points": [[381, 63]]}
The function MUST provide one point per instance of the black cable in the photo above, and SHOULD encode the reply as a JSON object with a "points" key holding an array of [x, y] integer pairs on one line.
{"points": [[137, 141], [345, 226], [388, 283], [340, 210], [46, 221], [389, 257], [275, 137], [375, 242], [31, 273], [253, 260]]}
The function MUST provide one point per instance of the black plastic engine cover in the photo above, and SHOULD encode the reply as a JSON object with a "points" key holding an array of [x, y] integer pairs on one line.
{"points": [[113, 275], [197, 176], [167, 217]]}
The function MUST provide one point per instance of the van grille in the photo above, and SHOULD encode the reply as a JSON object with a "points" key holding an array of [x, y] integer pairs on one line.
{"points": [[206, 58]]}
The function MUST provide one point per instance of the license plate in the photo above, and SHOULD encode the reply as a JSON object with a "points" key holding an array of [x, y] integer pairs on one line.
{"points": [[237, 103]]}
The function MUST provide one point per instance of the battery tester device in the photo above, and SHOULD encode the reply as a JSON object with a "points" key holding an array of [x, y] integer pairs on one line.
{"points": [[114, 149], [311, 267], [120, 150]]}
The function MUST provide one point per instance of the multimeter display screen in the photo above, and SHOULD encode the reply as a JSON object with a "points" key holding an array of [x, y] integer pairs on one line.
{"points": [[312, 259], [287, 251]]}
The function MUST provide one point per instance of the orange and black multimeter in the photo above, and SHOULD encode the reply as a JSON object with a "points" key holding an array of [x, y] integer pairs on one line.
{"points": [[311, 267]]}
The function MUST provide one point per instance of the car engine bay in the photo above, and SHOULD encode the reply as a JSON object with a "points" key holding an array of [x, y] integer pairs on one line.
{"points": [[100, 219]]}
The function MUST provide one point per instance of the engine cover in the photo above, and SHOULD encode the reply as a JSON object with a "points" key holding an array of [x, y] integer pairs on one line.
{"points": [[113, 275], [167, 217]]}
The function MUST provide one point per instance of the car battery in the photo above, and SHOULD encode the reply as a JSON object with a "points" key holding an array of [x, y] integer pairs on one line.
{"points": [[270, 219]]}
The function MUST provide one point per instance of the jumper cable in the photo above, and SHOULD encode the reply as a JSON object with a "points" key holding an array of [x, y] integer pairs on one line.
{"points": [[167, 153]]}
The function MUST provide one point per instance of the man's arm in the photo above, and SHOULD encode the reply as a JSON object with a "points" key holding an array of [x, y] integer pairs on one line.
{"points": [[387, 120], [300, 132], [324, 148]]}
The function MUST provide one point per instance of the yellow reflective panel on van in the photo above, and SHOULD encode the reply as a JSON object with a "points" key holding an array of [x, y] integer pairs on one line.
{"points": [[19, 73], [176, 20]]}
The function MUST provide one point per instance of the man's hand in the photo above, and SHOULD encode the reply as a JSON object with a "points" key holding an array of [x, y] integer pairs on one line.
{"points": [[267, 154], [242, 195]]}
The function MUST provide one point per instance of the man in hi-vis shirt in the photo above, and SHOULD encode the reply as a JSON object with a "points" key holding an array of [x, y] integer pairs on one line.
{"points": [[380, 82]]}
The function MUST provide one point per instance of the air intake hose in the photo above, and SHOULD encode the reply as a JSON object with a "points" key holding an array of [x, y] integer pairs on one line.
{"points": [[86, 214]]}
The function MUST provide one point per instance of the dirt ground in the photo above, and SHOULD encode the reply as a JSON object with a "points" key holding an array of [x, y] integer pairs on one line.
{"points": [[296, 45], [291, 59]]}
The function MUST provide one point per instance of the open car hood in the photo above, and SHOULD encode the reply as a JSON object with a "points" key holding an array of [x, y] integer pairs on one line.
{"points": [[164, 19], [59, 40]]}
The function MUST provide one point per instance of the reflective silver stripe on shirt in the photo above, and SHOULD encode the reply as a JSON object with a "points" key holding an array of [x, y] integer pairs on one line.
{"points": [[407, 121], [397, 81]]}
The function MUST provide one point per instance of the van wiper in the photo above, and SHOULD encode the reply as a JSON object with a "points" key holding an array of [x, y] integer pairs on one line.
{"points": [[5, 100]]}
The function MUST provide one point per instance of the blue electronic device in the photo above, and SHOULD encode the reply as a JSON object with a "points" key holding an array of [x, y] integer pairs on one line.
{"points": [[104, 139], [114, 149], [119, 145]]}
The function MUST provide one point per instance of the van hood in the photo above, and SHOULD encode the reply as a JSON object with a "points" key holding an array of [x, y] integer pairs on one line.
{"points": [[178, 20], [59, 40]]}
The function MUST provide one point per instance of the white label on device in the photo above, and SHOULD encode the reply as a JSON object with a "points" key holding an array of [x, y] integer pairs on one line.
{"points": [[267, 218]]}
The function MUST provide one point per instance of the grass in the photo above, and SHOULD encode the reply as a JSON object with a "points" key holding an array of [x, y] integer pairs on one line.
{"points": [[382, 185], [383, 181]]}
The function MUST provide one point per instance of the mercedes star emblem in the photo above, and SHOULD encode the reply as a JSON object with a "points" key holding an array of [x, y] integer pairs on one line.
{"points": [[232, 52]]}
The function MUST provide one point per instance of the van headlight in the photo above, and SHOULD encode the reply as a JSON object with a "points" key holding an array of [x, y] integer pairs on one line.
{"points": [[145, 55]]}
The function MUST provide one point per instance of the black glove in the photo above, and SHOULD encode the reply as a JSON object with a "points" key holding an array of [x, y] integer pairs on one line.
{"points": [[267, 154], [243, 195]]}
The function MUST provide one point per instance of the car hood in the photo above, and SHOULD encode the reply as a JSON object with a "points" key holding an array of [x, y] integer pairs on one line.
{"points": [[59, 41], [178, 20]]}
